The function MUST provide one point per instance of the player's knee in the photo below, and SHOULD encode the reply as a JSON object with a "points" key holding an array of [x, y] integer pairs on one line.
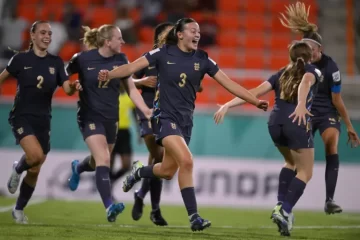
{"points": [[102, 160], [33, 173], [35, 157], [186, 162], [330, 148]]}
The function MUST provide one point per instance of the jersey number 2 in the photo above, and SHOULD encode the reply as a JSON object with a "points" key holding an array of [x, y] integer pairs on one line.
{"points": [[41, 81], [183, 77], [104, 84]]}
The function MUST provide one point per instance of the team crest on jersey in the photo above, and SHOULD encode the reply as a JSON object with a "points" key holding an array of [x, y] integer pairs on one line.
{"points": [[92, 126], [173, 125], [52, 70], [197, 66], [20, 131]]}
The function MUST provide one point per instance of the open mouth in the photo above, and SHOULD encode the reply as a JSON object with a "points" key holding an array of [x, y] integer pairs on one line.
{"points": [[46, 41], [195, 41]]}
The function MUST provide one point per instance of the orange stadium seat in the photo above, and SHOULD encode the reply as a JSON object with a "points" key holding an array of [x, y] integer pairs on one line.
{"points": [[280, 41], [228, 59], [8, 88], [228, 6], [253, 22], [102, 16], [228, 21], [27, 12], [135, 15], [68, 50], [227, 39], [146, 34], [131, 52], [27, 2], [279, 5], [254, 40], [276, 25], [278, 61], [254, 60], [252, 6], [143, 48]]}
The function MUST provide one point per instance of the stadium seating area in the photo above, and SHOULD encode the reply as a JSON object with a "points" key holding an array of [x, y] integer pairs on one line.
{"points": [[249, 35]]}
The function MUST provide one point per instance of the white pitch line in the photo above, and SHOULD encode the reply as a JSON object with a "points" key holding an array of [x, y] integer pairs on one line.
{"points": [[223, 227], [32, 202]]}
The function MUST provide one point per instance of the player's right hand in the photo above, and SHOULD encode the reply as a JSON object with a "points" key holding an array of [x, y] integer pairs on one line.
{"points": [[263, 104], [300, 115], [103, 75], [220, 114]]}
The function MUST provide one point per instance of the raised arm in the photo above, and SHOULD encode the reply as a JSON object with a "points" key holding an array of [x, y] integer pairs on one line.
{"points": [[260, 90]]}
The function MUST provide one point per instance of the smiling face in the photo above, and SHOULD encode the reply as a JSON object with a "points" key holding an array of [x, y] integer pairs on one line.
{"points": [[41, 36], [116, 41], [190, 36]]}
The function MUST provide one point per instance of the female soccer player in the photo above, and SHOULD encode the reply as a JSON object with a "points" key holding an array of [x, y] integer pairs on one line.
{"points": [[98, 107], [328, 105], [181, 67], [294, 88], [155, 151], [38, 74]]}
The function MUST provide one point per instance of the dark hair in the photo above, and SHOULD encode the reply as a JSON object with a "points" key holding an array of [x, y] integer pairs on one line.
{"points": [[297, 21], [299, 53], [159, 29], [33, 29], [171, 38]]}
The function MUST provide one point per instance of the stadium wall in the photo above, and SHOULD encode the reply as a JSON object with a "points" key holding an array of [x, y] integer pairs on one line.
{"points": [[238, 137], [220, 181]]}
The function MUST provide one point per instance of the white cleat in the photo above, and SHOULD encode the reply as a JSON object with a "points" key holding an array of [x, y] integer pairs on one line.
{"points": [[14, 180], [19, 216]]}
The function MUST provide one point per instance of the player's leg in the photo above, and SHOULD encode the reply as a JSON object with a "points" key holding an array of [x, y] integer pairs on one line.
{"points": [[330, 136], [155, 183], [287, 173], [126, 153]]}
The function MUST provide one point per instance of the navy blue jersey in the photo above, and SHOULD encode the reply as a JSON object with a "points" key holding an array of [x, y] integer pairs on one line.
{"points": [[98, 100], [282, 109], [37, 79], [331, 83], [179, 78], [147, 93]]}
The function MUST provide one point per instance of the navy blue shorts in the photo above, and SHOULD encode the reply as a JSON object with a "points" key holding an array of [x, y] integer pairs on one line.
{"points": [[291, 135], [90, 127], [164, 127], [23, 126], [322, 123], [145, 128], [123, 142]]}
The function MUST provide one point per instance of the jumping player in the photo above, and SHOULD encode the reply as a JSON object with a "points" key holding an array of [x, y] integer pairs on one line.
{"points": [[155, 151], [328, 105], [181, 67], [98, 108], [38, 74], [295, 87]]}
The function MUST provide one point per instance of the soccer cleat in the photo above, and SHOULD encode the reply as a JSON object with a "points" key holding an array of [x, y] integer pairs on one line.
{"points": [[331, 207], [133, 178], [114, 210], [281, 219], [75, 177], [19, 216], [137, 210], [198, 223], [14, 180], [291, 217], [157, 218]]}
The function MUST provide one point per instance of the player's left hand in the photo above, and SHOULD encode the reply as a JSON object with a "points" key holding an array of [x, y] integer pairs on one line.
{"points": [[300, 115], [76, 85], [148, 113], [263, 105], [353, 138], [103, 75]]}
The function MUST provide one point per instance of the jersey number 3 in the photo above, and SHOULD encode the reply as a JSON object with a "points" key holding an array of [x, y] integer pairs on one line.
{"points": [[183, 77]]}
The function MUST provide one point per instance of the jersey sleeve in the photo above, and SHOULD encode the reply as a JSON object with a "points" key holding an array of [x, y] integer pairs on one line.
{"points": [[61, 75], [334, 77], [14, 65], [211, 67], [272, 79], [154, 55], [316, 72], [73, 66]]}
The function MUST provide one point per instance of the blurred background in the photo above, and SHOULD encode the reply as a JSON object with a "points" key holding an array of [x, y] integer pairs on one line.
{"points": [[236, 162]]}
